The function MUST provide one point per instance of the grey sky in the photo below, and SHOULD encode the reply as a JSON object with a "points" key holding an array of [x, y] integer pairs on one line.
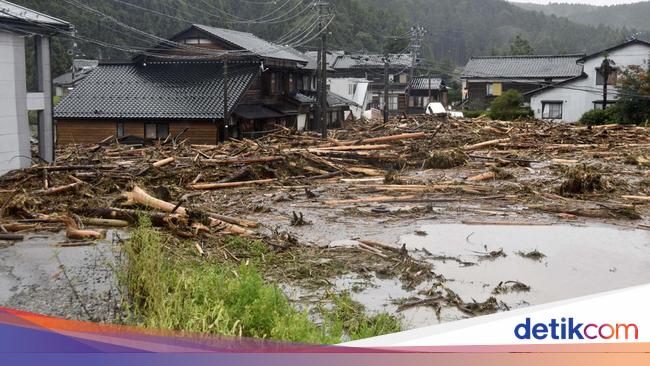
{"points": [[592, 2]]}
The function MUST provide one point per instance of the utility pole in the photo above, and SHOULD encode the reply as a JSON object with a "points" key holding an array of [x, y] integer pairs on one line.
{"points": [[322, 112], [417, 36], [606, 70], [386, 81], [226, 112]]}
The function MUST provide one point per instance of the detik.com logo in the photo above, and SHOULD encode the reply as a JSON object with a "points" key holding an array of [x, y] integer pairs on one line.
{"points": [[569, 328]]}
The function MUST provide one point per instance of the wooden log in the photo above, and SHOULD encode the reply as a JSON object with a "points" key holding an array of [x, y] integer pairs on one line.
{"points": [[138, 195], [372, 250], [16, 227], [352, 148], [214, 186], [486, 144], [242, 161], [73, 231], [637, 198], [164, 162], [483, 177], [60, 189], [11, 237], [365, 171], [235, 220], [61, 168], [377, 244], [379, 199], [379, 140], [105, 222]]}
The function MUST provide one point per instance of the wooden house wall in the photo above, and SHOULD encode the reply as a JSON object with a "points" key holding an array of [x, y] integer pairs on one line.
{"points": [[94, 131]]}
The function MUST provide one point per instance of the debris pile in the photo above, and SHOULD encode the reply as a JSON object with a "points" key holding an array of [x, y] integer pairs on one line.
{"points": [[197, 189]]}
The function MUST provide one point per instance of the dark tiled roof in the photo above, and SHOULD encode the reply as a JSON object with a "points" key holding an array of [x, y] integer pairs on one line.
{"points": [[539, 67], [256, 45], [163, 90], [422, 83]]}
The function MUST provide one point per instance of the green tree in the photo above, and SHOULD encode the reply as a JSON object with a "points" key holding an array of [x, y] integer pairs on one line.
{"points": [[396, 42], [521, 46], [633, 104]]}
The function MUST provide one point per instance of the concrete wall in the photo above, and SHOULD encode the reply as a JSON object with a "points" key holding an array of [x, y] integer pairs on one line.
{"points": [[577, 102], [14, 127]]}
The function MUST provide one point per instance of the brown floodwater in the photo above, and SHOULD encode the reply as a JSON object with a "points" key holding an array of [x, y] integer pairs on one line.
{"points": [[578, 261]]}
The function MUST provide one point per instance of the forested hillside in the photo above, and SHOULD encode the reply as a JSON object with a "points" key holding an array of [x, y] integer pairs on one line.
{"points": [[457, 29], [633, 16]]}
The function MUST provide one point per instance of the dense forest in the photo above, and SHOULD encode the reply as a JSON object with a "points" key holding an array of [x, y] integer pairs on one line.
{"points": [[631, 15], [456, 29]]}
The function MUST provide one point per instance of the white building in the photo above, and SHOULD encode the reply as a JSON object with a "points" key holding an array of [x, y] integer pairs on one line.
{"points": [[567, 101], [17, 23], [354, 89]]}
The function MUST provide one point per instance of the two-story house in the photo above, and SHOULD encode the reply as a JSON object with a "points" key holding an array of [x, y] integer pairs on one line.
{"points": [[567, 101], [182, 87], [487, 77]]}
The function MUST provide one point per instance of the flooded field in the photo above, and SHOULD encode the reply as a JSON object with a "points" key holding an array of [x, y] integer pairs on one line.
{"points": [[555, 262]]}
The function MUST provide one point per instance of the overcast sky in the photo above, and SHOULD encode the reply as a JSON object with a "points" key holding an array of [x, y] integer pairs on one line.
{"points": [[592, 2]]}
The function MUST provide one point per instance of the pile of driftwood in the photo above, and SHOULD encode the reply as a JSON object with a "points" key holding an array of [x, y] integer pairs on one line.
{"points": [[111, 184]]}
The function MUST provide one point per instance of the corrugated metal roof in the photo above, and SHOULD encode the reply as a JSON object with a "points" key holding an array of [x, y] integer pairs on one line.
{"points": [[164, 90], [422, 83], [254, 44], [539, 67]]}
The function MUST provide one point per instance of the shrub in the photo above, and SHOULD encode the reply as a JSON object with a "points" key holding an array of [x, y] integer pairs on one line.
{"points": [[474, 114], [602, 117], [512, 114], [508, 106]]}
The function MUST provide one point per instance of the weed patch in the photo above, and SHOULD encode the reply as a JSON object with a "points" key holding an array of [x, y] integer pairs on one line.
{"points": [[165, 293]]}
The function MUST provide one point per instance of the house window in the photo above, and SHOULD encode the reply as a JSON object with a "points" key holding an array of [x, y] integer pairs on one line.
{"points": [[306, 81], [600, 78], [272, 86], [352, 88], [493, 89], [392, 102], [120, 129], [155, 131], [599, 105], [552, 110]]}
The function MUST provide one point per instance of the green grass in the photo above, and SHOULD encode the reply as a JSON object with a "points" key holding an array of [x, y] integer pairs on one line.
{"points": [[225, 299]]}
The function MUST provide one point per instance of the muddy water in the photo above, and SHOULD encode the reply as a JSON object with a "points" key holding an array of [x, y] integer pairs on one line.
{"points": [[74, 282], [579, 260]]}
